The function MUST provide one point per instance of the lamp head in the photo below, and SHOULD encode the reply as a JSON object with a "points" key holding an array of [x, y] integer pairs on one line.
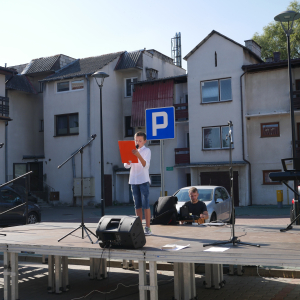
{"points": [[288, 17], [100, 76]]}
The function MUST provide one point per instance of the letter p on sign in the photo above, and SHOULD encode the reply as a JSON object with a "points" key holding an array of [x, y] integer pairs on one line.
{"points": [[156, 126], [160, 123]]}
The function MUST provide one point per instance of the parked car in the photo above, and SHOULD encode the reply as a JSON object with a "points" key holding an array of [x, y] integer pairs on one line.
{"points": [[9, 198], [216, 198]]}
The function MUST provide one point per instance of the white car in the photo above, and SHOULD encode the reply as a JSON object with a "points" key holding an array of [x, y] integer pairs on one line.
{"points": [[216, 198]]}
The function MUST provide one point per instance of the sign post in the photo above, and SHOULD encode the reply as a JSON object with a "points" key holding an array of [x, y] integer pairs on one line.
{"points": [[160, 125]]}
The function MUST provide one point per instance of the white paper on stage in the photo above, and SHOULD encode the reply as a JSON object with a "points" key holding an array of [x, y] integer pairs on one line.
{"points": [[173, 247], [216, 249]]}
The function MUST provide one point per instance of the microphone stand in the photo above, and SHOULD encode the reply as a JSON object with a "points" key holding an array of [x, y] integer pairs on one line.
{"points": [[234, 240], [82, 226]]}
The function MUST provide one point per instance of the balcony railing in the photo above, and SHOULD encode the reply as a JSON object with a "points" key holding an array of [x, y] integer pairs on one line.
{"points": [[182, 156], [181, 111], [4, 108]]}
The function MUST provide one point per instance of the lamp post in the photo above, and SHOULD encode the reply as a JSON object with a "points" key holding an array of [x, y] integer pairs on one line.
{"points": [[287, 19], [99, 77]]}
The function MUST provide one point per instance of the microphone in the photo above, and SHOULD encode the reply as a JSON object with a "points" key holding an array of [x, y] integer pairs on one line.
{"points": [[137, 146]]}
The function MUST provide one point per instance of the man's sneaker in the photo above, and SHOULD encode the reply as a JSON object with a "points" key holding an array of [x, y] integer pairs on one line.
{"points": [[147, 231]]}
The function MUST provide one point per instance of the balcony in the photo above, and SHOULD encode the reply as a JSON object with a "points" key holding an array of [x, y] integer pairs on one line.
{"points": [[182, 156], [4, 108], [181, 112]]}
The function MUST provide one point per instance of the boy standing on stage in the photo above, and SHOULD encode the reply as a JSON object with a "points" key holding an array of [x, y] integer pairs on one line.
{"points": [[139, 179]]}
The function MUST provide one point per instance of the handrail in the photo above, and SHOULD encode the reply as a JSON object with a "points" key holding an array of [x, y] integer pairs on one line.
{"points": [[8, 182]]}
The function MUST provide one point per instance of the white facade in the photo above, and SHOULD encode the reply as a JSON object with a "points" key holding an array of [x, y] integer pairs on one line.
{"points": [[116, 106], [216, 59], [269, 103], [2, 133]]}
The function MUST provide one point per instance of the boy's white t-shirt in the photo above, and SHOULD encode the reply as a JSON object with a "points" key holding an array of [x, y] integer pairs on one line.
{"points": [[138, 173]]}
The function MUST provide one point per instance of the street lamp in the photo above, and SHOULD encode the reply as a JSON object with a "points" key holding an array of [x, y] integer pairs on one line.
{"points": [[99, 77], [287, 19]]}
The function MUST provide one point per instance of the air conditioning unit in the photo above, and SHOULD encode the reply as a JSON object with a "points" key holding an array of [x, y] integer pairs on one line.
{"points": [[88, 187]]}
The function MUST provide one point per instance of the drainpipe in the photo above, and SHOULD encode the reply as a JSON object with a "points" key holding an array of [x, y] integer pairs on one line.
{"points": [[6, 145], [88, 106], [243, 137]]}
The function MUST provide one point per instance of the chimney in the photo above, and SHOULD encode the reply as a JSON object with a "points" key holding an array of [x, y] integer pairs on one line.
{"points": [[269, 59], [254, 47], [276, 56]]}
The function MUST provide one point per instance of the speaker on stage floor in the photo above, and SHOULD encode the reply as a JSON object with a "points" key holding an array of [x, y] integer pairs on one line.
{"points": [[121, 232]]}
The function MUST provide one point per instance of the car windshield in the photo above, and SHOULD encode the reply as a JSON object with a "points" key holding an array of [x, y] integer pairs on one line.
{"points": [[204, 195]]}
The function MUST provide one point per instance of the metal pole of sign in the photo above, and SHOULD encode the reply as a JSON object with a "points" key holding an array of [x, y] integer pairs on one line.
{"points": [[162, 168]]}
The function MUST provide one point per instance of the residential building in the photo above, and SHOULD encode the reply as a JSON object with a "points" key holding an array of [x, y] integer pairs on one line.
{"points": [[4, 119], [25, 134], [71, 104], [268, 124]]}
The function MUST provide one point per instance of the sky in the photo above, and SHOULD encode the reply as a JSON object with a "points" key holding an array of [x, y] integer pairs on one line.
{"points": [[40, 28]]}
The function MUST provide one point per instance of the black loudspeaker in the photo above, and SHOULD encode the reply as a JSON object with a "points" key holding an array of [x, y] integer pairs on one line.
{"points": [[121, 232], [164, 211]]}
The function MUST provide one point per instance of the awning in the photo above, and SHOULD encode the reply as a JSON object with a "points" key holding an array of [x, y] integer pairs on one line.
{"points": [[150, 95]]}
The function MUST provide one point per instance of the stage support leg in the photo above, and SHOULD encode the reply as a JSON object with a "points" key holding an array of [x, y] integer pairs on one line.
{"points": [[142, 280], [11, 276], [58, 274], [58, 277], [184, 281], [153, 288], [51, 282], [239, 270], [14, 276], [214, 276], [65, 274], [127, 264], [153, 280], [98, 268], [178, 288]]}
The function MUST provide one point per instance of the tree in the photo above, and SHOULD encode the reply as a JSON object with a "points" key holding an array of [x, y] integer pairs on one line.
{"points": [[273, 38]]}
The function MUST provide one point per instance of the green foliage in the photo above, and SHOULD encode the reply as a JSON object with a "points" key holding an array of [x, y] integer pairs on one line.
{"points": [[274, 39]]}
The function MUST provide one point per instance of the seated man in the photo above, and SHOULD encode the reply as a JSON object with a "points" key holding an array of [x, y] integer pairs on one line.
{"points": [[196, 207]]}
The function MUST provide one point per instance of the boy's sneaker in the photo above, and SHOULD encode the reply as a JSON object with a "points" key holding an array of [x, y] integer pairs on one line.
{"points": [[147, 231]]}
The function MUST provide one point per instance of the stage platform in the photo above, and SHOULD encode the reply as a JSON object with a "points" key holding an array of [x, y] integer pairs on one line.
{"points": [[276, 249]]}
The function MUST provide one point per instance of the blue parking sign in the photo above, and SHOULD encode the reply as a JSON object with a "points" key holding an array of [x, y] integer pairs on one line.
{"points": [[160, 123]]}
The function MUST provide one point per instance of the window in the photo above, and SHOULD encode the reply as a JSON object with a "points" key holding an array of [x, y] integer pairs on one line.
{"points": [[129, 131], [129, 86], [62, 86], [65, 86], [151, 74], [266, 178], [155, 180], [67, 124], [216, 137], [77, 85], [269, 129], [216, 90]]}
